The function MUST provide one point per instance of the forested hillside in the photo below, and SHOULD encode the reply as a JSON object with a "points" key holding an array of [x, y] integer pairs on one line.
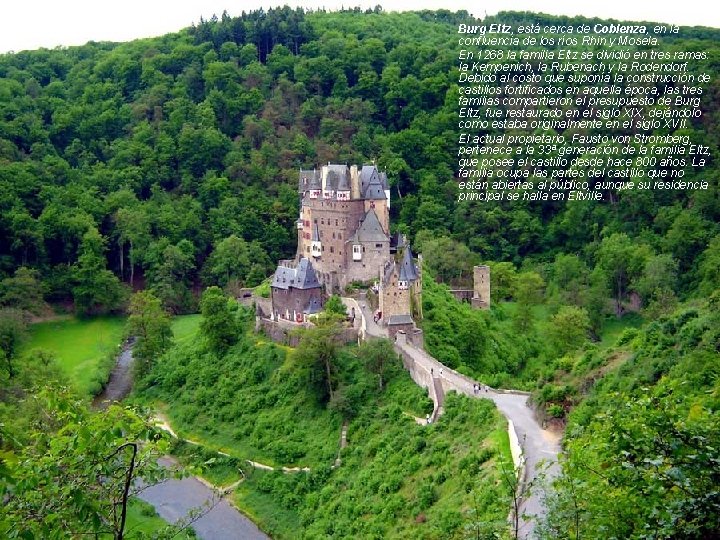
{"points": [[171, 161]]}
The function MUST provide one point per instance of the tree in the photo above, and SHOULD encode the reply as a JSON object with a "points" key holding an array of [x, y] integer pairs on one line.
{"points": [[96, 289], [12, 331], [622, 260], [504, 276], [150, 324], [378, 356], [133, 227], [528, 293], [657, 284], [597, 299], [236, 261], [218, 325], [687, 237], [644, 464], [570, 277], [335, 307], [708, 267], [23, 291], [168, 275], [316, 356], [79, 468], [569, 328], [448, 260]]}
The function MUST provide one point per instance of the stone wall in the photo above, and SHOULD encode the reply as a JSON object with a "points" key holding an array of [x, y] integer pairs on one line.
{"points": [[421, 377], [462, 295], [366, 269], [288, 333], [336, 222]]}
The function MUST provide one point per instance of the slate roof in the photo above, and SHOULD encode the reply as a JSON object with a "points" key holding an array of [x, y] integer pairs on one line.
{"points": [[331, 180], [302, 277], [374, 190], [335, 174], [369, 229], [344, 183], [399, 319], [315, 233], [305, 276], [366, 174], [314, 306], [384, 180], [307, 179], [408, 272], [397, 241], [372, 183]]}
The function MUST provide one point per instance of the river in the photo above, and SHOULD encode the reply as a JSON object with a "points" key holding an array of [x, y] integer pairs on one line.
{"points": [[174, 499]]}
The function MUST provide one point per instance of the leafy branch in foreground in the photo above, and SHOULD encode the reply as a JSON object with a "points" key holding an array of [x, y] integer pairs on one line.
{"points": [[78, 469]]}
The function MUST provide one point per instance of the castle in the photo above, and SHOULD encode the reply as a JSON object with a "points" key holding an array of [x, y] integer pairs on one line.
{"points": [[343, 238], [344, 223]]}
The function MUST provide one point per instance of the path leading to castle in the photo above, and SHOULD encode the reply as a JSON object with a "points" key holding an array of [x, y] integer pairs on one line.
{"points": [[540, 447]]}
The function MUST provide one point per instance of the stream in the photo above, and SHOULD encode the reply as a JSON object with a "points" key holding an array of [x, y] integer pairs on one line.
{"points": [[174, 499]]}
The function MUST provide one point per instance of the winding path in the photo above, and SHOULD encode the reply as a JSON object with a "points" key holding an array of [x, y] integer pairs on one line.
{"points": [[535, 449]]}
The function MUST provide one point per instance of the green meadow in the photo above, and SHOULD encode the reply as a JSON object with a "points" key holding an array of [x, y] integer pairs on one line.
{"points": [[83, 348]]}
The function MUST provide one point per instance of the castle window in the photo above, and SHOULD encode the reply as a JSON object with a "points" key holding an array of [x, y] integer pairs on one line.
{"points": [[336, 222], [332, 249], [378, 245]]}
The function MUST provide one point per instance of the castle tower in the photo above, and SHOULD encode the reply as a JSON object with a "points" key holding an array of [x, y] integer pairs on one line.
{"points": [[481, 287]]}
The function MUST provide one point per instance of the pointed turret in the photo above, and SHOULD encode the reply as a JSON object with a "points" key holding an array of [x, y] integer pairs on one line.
{"points": [[408, 272]]}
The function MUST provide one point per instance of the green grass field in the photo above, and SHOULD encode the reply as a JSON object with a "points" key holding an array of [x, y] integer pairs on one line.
{"points": [[185, 327], [80, 347]]}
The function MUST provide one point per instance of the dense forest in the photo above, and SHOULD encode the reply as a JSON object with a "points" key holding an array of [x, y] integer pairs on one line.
{"points": [[170, 164], [171, 161]]}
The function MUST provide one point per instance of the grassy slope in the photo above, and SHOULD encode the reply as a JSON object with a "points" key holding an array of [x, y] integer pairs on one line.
{"points": [[81, 347], [412, 481], [397, 480], [185, 327], [243, 404]]}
